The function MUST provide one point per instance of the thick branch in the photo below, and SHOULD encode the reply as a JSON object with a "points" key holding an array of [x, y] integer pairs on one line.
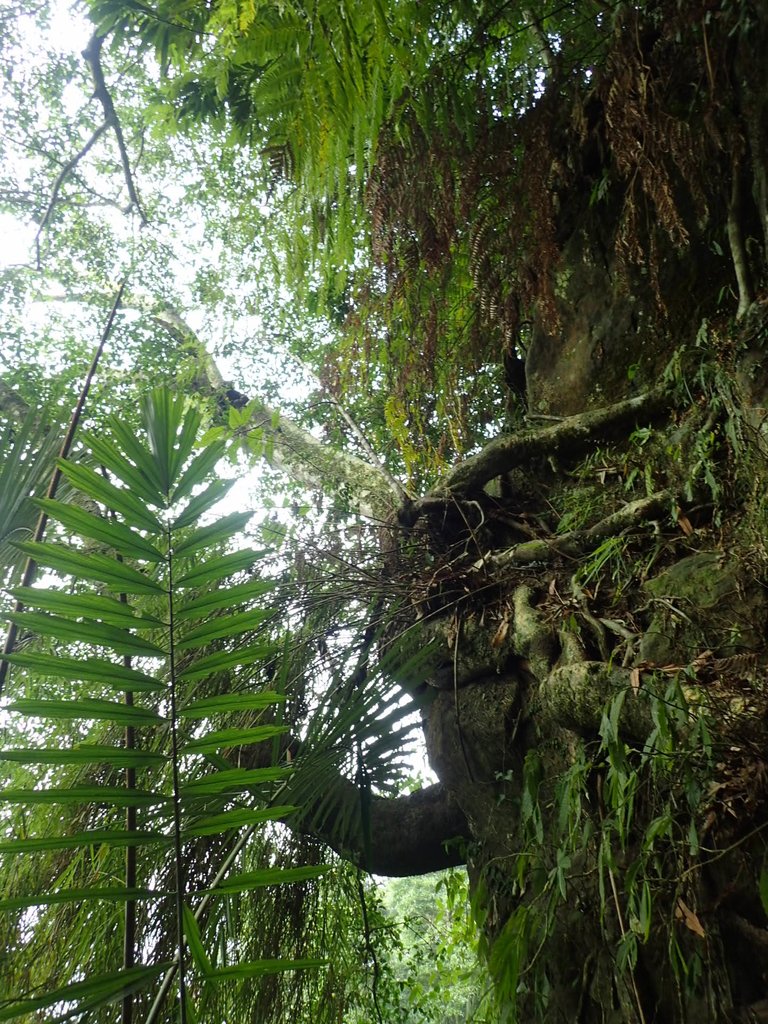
{"points": [[570, 436], [409, 835]]}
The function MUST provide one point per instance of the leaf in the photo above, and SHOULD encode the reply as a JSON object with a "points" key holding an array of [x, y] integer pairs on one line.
{"points": [[222, 660], [162, 413], [216, 569], [94, 606], [116, 838], [228, 702], [258, 968], [220, 626], [238, 818], [111, 894], [689, 918], [88, 995], [214, 741], [213, 493], [195, 474], [147, 488], [115, 796], [89, 669], [100, 634], [115, 574], [227, 597], [116, 499], [232, 781], [87, 707], [264, 877], [763, 887], [85, 753], [216, 533], [195, 942], [115, 535]]}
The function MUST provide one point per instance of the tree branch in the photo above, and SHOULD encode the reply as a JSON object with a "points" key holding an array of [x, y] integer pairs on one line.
{"points": [[92, 54]]}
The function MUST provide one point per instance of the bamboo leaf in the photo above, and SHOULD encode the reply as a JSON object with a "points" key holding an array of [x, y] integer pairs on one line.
{"points": [[111, 894], [195, 474], [238, 818], [85, 753], [202, 502], [88, 995], [222, 660], [89, 669], [116, 575], [117, 499], [264, 877], [115, 535], [258, 968], [99, 634], [227, 597], [195, 942], [117, 838], [229, 702], [214, 741], [220, 626], [87, 707], [94, 606], [232, 781], [115, 796], [217, 569], [216, 533]]}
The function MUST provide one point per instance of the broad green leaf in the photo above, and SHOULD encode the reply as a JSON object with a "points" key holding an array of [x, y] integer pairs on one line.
{"points": [[85, 753], [89, 669], [216, 533], [87, 995], [266, 876], [114, 796], [117, 838], [143, 485], [115, 535], [214, 741], [222, 660], [232, 780], [93, 606], [145, 461], [196, 473], [213, 493], [195, 942], [258, 968], [87, 707], [227, 597], [116, 499], [99, 634], [229, 702], [238, 818], [111, 894], [216, 569], [116, 575], [219, 626]]}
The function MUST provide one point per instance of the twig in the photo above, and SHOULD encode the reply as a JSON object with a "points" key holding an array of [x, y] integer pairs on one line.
{"points": [[61, 177], [92, 54]]}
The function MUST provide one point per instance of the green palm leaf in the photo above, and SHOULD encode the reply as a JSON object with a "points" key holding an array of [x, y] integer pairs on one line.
{"points": [[214, 741], [116, 838], [117, 499], [229, 597], [87, 707], [100, 634], [115, 535], [219, 627], [216, 533], [200, 504], [258, 968], [95, 670], [85, 753], [143, 482], [196, 473], [238, 818], [93, 606], [231, 781], [111, 894], [106, 570], [228, 702], [115, 796], [221, 660], [219, 568]]}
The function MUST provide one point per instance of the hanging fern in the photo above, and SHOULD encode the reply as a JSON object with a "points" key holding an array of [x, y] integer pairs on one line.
{"points": [[162, 613]]}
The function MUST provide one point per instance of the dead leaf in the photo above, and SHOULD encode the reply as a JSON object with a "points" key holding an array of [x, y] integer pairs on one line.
{"points": [[689, 918], [501, 633], [685, 524], [634, 680]]}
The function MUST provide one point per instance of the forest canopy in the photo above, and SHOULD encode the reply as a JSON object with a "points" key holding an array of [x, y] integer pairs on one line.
{"points": [[380, 379]]}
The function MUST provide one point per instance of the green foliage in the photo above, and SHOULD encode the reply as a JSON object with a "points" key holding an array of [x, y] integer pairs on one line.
{"points": [[192, 786]]}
